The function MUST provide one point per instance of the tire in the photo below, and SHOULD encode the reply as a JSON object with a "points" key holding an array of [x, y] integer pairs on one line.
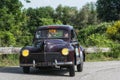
{"points": [[80, 67], [26, 69], [84, 56], [72, 70]]}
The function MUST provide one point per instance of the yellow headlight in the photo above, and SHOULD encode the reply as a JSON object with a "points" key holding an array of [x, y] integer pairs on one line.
{"points": [[65, 51], [25, 53]]}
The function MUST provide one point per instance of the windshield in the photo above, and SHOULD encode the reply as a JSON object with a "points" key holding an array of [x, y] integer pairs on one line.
{"points": [[52, 33]]}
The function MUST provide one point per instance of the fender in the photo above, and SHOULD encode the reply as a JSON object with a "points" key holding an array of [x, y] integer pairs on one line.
{"points": [[32, 49]]}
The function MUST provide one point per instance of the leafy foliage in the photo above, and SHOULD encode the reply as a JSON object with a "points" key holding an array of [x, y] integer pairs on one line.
{"points": [[114, 31], [93, 32], [11, 21], [66, 14], [7, 39], [18, 25], [108, 10], [87, 16], [98, 40], [9, 60]]}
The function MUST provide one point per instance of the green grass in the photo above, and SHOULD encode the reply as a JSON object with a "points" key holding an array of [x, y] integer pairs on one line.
{"points": [[101, 57], [9, 60]]}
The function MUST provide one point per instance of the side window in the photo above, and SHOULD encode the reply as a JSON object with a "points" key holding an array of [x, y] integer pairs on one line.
{"points": [[73, 35]]}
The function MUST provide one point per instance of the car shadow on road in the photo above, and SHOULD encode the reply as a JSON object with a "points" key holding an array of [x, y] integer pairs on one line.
{"points": [[33, 71]]}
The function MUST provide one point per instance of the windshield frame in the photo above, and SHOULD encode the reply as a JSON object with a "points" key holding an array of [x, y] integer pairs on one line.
{"points": [[46, 37]]}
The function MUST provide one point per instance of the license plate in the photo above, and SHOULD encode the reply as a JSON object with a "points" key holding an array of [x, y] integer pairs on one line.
{"points": [[45, 64]]}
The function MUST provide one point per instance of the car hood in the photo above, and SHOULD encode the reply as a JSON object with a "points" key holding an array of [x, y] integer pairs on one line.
{"points": [[54, 45]]}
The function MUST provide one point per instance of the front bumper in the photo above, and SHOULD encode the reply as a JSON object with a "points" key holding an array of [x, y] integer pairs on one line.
{"points": [[46, 64]]}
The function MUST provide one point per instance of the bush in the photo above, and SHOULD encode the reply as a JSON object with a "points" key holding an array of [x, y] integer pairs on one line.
{"points": [[9, 60], [115, 51], [98, 40], [113, 31], [95, 57], [24, 40], [92, 31], [114, 54], [7, 39]]}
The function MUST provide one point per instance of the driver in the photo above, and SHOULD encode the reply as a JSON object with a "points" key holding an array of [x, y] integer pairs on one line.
{"points": [[65, 35]]}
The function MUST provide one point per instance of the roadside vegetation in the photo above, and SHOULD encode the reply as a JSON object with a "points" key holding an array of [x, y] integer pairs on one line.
{"points": [[114, 54], [9, 60], [96, 25], [103, 35]]}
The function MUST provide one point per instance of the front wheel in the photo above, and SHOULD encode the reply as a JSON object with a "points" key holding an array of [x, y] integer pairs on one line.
{"points": [[26, 69], [72, 70], [80, 67]]}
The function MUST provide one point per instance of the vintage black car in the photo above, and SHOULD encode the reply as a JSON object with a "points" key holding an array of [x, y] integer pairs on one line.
{"points": [[53, 46]]}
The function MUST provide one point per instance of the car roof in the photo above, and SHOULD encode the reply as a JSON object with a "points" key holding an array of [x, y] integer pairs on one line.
{"points": [[66, 27]]}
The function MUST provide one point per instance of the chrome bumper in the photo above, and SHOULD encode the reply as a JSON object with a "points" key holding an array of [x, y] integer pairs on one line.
{"points": [[42, 64]]}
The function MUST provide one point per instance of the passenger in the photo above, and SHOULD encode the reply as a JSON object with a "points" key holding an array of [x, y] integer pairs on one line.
{"points": [[66, 35]]}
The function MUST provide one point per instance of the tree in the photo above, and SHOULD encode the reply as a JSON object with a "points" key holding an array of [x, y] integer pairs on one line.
{"points": [[69, 15], [87, 15], [48, 21], [108, 10], [11, 19], [58, 15], [35, 16], [66, 14], [93, 14], [7, 38]]}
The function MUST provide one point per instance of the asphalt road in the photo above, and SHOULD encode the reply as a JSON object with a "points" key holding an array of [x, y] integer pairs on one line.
{"points": [[92, 71]]}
